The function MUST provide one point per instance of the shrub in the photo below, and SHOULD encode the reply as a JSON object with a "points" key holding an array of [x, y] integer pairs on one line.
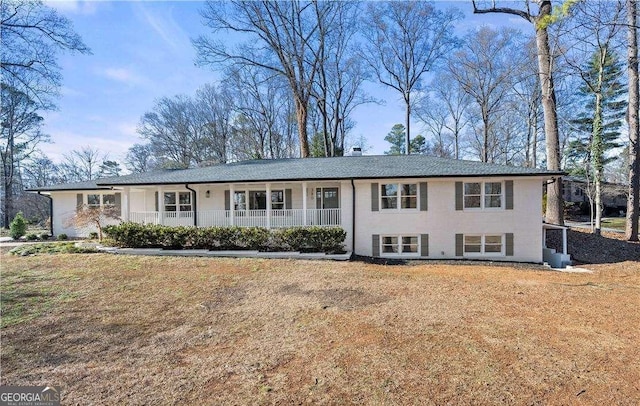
{"points": [[44, 236], [18, 226], [305, 239], [32, 237], [314, 239], [62, 237], [51, 248], [93, 235]]}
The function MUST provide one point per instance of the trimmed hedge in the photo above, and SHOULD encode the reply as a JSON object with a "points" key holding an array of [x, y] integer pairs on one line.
{"points": [[303, 239]]}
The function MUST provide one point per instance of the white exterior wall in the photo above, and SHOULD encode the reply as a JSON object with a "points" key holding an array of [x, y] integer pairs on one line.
{"points": [[64, 208], [442, 221]]}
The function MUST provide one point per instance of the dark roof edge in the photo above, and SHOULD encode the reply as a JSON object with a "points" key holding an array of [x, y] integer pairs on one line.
{"points": [[511, 175], [43, 189]]}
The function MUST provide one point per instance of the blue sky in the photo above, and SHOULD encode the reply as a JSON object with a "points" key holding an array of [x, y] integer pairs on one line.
{"points": [[141, 52]]}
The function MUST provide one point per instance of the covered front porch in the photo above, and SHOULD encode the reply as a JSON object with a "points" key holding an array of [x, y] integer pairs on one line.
{"points": [[269, 205]]}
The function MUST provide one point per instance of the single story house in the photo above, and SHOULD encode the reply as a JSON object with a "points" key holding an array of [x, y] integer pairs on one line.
{"points": [[411, 206]]}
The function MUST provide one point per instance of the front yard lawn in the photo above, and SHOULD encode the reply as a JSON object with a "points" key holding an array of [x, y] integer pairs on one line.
{"points": [[113, 329]]}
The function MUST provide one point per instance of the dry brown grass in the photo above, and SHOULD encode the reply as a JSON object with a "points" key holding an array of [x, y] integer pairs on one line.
{"points": [[148, 330]]}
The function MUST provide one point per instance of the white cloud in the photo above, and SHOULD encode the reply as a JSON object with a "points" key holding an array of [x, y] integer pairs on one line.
{"points": [[123, 75], [165, 26]]}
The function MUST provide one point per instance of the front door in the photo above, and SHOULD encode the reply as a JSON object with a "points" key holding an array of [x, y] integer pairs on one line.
{"points": [[327, 198]]}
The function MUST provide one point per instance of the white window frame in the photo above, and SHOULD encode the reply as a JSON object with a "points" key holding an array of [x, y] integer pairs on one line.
{"points": [[177, 203], [102, 203], [483, 245], [275, 205], [399, 245], [483, 195], [399, 197]]}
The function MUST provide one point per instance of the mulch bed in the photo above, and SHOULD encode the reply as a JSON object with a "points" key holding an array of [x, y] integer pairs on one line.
{"points": [[587, 248]]}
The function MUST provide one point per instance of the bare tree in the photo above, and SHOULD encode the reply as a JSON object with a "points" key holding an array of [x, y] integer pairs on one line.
{"points": [[282, 37], [633, 202], [32, 35], [540, 22], [405, 39], [20, 134], [140, 158], [486, 68], [82, 164], [262, 114], [94, 216], [341, 73]]}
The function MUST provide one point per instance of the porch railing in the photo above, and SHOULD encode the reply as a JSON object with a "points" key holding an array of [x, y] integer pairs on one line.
{"points": [[243, 218]]}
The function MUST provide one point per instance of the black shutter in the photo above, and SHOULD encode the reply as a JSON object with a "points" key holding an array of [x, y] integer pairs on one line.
{"points": [[374, 197], [79, 201], [375, 245], [287, 199], [508, 195], [119, 204], [424, 245], [459, 245], [227, 200], [508, 245], [156, 200], [459, 197], [423, 196]]}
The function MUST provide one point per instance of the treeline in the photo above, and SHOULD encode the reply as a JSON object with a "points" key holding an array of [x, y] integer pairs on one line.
{"points": [[554, 95]]}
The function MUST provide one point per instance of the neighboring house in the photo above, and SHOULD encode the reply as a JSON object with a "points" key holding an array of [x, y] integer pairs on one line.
{"points": [[390, 206], [576, 190]]}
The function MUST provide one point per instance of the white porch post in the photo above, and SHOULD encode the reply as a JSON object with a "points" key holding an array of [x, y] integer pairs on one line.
{"points": [[232, 204], [564, 241], [268, 205], [126, 204], [160, 205], [304, 203]]}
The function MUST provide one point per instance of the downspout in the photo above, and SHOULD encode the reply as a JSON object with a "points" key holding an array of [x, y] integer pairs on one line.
{"points": [[353, 219], [195, 204], [50, 212]]}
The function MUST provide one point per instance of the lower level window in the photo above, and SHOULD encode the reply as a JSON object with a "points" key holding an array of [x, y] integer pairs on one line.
{"points": [[483, 244], [399, 244]]}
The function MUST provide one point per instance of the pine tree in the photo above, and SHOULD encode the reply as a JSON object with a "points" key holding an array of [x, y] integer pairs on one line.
{"points": [[397, 139], [599, 124]]}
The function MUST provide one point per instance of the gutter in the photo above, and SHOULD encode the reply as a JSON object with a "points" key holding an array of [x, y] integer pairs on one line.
{"points": [[353, 219], [50, 211], [195, 204]]}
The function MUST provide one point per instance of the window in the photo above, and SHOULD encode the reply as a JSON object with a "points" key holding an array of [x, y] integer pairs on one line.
{"points": [[399, 245], [93, 200], [406, 194], [97, 200], [177, 201], [277, 199], [483, 195], [258, 200], [483, 244], [240, 201]]}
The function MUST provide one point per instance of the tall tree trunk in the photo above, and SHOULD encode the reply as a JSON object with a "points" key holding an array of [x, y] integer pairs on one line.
{"points": [[597, 150], [633, 202], [407, 120], [555, 202], [301, 116], [485, 136]]}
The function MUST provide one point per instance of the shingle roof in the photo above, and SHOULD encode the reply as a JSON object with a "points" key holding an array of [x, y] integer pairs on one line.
{"points": [[87, 185], [338, 168]]}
